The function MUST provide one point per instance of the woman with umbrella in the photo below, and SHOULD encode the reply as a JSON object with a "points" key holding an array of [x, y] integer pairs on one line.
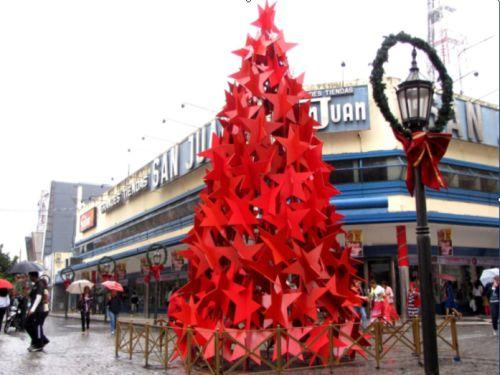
{"points": [[114, 303], [83, 287], [4, 299], [84, 305], [491, 280]]}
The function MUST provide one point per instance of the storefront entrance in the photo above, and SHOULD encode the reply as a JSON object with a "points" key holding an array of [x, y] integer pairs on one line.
{"points": [[383, 269]]}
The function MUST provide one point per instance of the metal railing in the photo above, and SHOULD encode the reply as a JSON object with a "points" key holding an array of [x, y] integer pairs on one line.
{"points": [[272, 350]]}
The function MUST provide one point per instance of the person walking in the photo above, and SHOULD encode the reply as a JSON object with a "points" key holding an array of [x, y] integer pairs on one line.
{"points": [[376, 298], [45, 313], [34, 320], [389, 294], [134, 303], [114, 307], [85, 305], [4, 304], [494, 298], [360, 310], [449, 303], [413, 300], [477, 294], [390, 313]]}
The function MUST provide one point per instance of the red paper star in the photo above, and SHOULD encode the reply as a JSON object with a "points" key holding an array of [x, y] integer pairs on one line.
{"points": [[245, 306], [291, 183], [266, 19], [259, 128], [294, 147], [279, 302], [282, 103]]}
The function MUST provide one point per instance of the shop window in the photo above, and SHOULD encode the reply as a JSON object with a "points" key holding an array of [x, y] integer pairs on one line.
{"points": [[450, 176], [346, 172], [374, 169], [489, 182], [466, 178], [396, 168], [169, 214]]}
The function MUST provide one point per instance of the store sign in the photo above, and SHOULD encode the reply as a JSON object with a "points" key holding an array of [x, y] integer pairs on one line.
{"points": [[354, 240], [444, 242], [129, 191], [340, 109], [336, 109], [472, 121], [88, 220], [184, 156]]}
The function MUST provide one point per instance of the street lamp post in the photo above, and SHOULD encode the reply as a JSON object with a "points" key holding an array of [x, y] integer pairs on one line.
{"points": [[424, 146], [415, 99], [68, 276], [156, 264]]}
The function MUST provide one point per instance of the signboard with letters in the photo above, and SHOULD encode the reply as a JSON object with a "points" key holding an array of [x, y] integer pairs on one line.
{"points": [[337, 108], [341, 109], [88, 220], [473, 121], [134, 187]]}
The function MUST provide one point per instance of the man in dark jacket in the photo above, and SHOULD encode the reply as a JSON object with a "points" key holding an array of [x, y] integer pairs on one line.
{"points": [[114, 306], [35, 318]]}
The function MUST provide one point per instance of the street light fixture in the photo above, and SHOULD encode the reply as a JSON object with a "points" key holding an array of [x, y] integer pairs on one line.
{"points": [[415, 100]]}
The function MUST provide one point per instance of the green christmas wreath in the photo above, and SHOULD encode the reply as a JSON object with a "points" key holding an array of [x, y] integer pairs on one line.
{"points": [[378, 87], [103, 261], [153, 248]]}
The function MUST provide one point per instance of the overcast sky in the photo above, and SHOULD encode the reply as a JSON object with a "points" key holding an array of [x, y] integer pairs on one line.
{"points": [[81, 82]]}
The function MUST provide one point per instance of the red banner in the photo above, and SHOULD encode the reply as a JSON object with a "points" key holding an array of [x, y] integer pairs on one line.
{"points": [[402, 246]]}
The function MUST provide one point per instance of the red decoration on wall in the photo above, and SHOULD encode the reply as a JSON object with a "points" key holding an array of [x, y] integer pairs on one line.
{"points": [[402, 246], [424, 150], [155, 270], [263, 251], [106, 277]]}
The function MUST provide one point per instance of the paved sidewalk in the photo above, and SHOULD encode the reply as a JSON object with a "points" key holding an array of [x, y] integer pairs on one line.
{"points": [[70, 351], [141, 320]]}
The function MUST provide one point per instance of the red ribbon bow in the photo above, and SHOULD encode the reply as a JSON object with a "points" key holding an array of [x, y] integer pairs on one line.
{"points": [[424, 150], [155, 270], [67, 283]]}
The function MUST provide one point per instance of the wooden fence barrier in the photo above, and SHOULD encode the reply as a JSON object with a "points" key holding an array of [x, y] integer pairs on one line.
{"points": [[273, 350]]}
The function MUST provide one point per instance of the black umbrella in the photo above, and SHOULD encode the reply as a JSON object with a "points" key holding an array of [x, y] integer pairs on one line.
{"points": [[25, 267]]}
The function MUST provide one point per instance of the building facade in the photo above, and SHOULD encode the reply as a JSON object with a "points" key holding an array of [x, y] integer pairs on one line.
{"points": [[53, 242], [155, 204]]}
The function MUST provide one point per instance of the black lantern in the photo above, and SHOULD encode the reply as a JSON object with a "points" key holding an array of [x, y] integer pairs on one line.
{"points": [[415, 98]]}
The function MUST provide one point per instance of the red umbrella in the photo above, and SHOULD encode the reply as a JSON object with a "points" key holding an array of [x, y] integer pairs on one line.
{"points": [[113, 285], [5, 284]]}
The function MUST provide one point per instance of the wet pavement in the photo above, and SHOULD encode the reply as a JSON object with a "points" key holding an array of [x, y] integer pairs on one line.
{"points": [[71, 352]]}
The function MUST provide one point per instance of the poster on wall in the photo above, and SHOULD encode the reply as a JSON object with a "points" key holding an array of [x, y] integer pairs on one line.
{"points": [[354, 240], [121, 270], [177, 261], [444, 242]]}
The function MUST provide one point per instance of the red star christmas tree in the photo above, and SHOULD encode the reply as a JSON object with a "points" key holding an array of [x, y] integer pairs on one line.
{"points": [[263, 251]]}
